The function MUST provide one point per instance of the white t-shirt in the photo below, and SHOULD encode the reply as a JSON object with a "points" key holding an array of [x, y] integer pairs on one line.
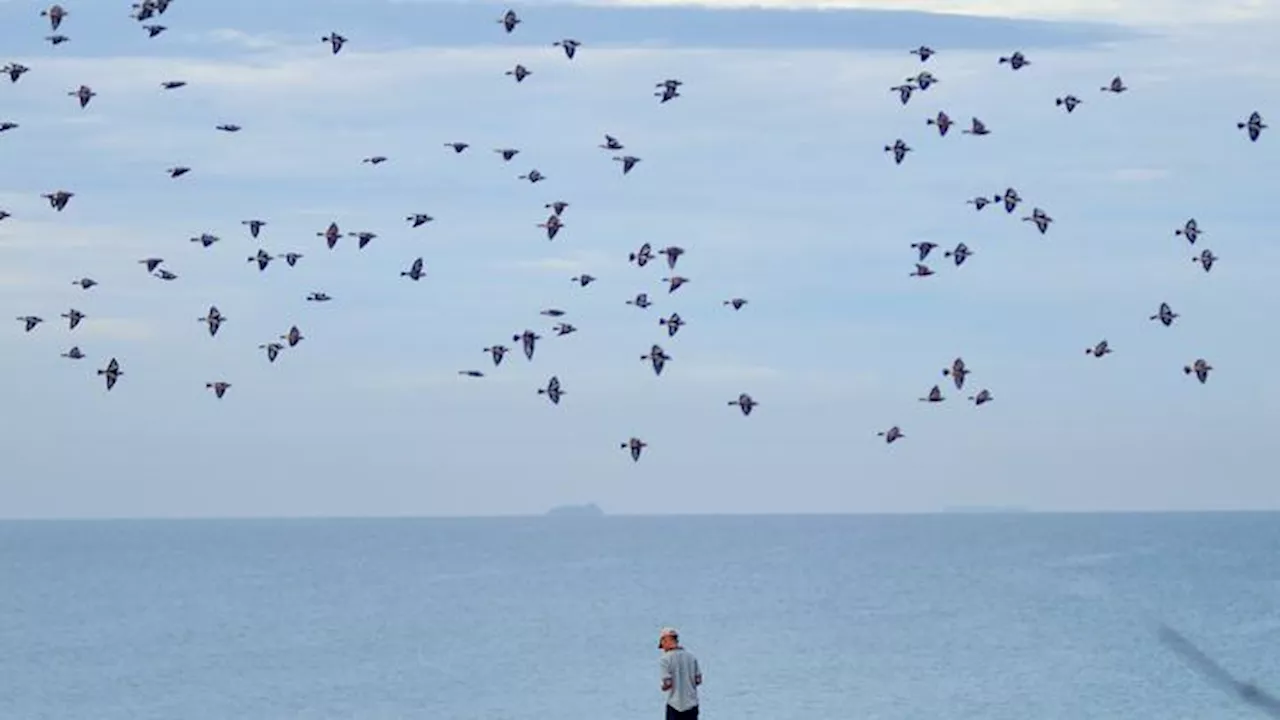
{"points": [[680, 667]]}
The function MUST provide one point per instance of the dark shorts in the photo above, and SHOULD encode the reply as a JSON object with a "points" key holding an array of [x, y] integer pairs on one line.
{"points": [[690, 714]]}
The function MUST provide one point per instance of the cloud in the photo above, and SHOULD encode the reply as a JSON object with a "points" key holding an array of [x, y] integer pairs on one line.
{"points": [[1128, 175], [110, 328], [728, 373], [238, 38], [555, 265], [1154, 12]]}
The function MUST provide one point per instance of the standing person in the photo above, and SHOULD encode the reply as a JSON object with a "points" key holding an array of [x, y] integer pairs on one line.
{"points": [[680, 676]]}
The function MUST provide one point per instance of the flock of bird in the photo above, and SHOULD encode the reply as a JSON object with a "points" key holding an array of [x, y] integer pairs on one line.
{"points": [[657, 356], [1010, 199]]}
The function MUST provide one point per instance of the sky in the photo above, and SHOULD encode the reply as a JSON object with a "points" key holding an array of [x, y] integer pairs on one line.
{"points": [[769, 170]]}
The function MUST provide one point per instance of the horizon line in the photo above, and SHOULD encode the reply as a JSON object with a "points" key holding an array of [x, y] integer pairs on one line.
{"points": [[953, 511]]}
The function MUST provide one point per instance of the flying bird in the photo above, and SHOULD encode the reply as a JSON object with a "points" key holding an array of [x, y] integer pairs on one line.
{"points": [[519, 72], [552, 226], [335, 41], [658, 358], [30, 321], [891, 435], [569, 45], [213, 319], [497, 352], [1190, 230], [942, 121], [509, 20], [528, 340], [1254, 125], [1165, 315], [84, 94], [58, 199], [1206, 258], [55, 13], [1200, 367], [628, 162], [642, 256], [672, 323], [899, 150], [273, 350], [15, 71], [262, 258], [552, 390], [331, 234], [635, 445], [1115, 86], [219, 388], [111, 372], [293, 337], [1010, 198], [73, 317], [745, 403], [924, 79], [1040, 219], [673, 253], [1015, 61], [415, 271], [255, 226], [957, 372], [959, 255]]}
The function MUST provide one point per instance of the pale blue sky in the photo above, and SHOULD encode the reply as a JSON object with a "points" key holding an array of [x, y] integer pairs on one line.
{"points": [[769, 170]]}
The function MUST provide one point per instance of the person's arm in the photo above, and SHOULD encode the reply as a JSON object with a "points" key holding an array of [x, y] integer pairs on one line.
{"points": [[664, 665], [697, 673]]}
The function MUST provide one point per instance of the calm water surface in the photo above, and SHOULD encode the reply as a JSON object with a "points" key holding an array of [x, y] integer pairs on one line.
{"points": [[951, 616]]}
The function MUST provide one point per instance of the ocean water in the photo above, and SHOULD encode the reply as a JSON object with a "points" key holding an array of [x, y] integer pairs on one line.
{"points": [[913, 617]]}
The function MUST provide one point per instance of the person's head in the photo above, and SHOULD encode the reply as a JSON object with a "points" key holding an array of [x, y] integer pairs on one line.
{"points": [[668, 638]]}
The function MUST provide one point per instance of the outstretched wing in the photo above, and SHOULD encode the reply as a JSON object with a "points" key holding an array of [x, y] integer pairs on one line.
{"points": [[1215, 673]]}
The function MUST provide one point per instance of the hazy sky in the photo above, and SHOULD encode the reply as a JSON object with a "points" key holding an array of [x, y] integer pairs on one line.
{"points": [[769, 170]]}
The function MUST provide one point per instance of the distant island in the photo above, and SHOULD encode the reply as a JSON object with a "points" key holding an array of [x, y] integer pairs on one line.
{"points": [[588, 510], [985, 509]]}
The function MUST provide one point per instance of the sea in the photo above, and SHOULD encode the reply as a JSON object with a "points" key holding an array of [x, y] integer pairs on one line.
{"points": [[1018, 616]]}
